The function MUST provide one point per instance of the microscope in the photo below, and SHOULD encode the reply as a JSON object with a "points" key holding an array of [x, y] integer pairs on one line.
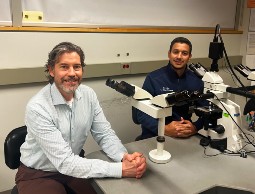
{"points": [[157, 107], [222, 127], [222, 118]]}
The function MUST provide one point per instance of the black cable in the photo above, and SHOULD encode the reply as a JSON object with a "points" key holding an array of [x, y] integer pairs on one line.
{"points": [[225, 153], [229, 153], [211, 154], [227, 70], [228, 62], [235, 122]]}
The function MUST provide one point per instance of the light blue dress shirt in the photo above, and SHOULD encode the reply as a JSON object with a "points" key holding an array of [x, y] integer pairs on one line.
{"points": [[57, 133]]}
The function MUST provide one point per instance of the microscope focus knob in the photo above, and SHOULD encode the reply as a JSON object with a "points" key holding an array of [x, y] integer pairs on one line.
{"points": [[219, 129]]}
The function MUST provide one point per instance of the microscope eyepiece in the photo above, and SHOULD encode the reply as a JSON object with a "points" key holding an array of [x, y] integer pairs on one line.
{"points": [[122, 87], [198, 69], [178, 97]]}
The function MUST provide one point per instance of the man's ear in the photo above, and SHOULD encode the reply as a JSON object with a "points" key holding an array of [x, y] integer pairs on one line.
{"points": [[190, 56], [51, 71]]}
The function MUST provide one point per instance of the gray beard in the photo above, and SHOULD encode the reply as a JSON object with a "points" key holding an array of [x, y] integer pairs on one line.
{"points": [[69, 90]]}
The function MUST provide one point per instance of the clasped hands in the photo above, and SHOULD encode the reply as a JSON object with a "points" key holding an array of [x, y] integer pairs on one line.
{"points": [[182, 128], [133, 165]]}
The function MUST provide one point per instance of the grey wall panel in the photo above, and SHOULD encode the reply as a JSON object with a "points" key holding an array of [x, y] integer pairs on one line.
{"points": [[31, 75]]}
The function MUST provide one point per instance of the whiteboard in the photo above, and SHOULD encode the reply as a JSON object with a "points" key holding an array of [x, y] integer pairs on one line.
{"points": [[160, 13], [5, 12]]}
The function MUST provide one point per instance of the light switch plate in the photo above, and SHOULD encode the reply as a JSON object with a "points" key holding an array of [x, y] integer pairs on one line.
{"points": [[32, 16]]}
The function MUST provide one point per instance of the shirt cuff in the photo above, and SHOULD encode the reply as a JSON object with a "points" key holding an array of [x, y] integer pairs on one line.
{"points": [[115, 170]]}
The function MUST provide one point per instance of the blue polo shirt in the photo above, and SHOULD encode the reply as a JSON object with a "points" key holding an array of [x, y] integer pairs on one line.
{"points": [[166, 80]]}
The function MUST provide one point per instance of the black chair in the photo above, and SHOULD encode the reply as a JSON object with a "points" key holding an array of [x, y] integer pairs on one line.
{"points": [[12, 144], [249, 106]]}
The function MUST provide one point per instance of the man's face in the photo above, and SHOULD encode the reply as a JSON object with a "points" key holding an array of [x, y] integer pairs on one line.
{"points": [[67, 74], [179, 55]]}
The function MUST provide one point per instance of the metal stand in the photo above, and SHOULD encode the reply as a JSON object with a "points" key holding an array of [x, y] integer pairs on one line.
{"points": [[160, 155]]}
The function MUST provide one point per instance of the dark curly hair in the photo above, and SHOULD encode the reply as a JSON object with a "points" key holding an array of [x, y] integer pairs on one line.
{"points": [[57, 51]]}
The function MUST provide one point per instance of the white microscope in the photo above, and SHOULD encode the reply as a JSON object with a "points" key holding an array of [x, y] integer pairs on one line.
{"points": [[157, 107], [227, 133]]}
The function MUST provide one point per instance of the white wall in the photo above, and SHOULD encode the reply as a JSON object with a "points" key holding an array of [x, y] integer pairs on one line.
{"points": [[30, 50]]}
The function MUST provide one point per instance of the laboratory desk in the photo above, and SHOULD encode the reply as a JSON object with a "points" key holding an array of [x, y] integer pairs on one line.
{"points": [[188, 172]]}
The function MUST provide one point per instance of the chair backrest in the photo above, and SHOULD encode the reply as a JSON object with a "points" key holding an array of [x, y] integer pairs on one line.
{"points": [[249, 106], [12, 144]]}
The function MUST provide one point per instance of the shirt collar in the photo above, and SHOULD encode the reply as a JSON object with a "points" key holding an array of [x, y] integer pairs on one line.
{"points": [[172, 72], [57, 97]]}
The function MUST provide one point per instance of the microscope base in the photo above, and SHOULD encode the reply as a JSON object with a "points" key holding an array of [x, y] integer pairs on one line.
{"points": [[219, 144], [160, 159]]}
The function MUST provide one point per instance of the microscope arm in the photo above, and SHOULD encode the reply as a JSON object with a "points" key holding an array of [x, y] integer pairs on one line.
{"points": [[245, 71], [240, 92]]}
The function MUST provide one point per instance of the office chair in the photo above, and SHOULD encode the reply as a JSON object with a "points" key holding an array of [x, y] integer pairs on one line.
{"points": [[12, 144], [249, 106]]}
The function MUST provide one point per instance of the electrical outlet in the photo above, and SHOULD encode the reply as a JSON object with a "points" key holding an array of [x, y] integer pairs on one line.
{"points": [[32, 16], [125, 68]]}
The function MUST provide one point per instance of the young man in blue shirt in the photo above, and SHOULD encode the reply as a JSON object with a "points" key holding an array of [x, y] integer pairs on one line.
{"points": [[174, 77]]}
